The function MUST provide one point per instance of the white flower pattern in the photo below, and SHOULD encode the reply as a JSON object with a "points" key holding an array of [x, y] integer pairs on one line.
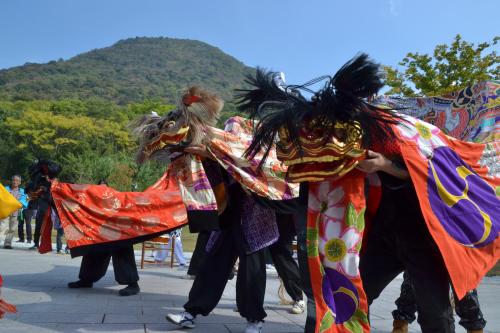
{"points": [[339, 248], [338, 244], [424, 134], [327, 201]]}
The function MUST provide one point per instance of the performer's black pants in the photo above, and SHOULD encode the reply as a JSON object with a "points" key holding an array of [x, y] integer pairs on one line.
{"points": [[399, 240], [40, 214], [95, 265], [300, 218], [468, 309], [28, 215], [471, 317], [282, 255], [199, 252], [406, 305], [215, 269]]}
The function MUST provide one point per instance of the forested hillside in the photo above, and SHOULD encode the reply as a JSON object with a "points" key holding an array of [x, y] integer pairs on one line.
{"points": [[77, 111], [131, 70]]}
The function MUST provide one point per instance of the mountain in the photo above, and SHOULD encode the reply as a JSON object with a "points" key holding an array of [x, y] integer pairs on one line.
{"points": [[131, 70]]}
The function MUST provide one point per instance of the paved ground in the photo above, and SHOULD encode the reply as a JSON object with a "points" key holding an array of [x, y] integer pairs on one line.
{"points": [[37, 285]]}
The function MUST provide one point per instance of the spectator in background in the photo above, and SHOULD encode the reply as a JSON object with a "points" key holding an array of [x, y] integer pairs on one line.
{"points": [[161, 255], [58, 227], [29, 213], [7, 225]]}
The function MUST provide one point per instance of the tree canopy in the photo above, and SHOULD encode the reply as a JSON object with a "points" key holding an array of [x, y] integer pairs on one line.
{"points": [[449, 68], [90, 139]]}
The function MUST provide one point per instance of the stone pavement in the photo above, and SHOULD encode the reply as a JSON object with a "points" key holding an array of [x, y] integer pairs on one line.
{"points": [[37, 285]]}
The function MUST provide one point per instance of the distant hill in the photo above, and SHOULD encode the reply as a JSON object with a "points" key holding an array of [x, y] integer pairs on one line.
{"points": [[131, 70]]}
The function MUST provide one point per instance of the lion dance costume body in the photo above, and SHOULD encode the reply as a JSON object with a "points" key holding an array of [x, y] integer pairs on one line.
{"points": [[321, 140]]}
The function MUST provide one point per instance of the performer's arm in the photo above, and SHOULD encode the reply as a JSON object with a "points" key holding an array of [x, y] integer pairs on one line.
{"points": [[378, 162]]}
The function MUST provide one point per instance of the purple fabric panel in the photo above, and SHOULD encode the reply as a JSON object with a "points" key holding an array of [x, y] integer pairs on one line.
{"points": [[258, 224]]}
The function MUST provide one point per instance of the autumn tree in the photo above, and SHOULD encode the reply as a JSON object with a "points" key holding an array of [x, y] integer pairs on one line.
{"points": [[450, 68]]}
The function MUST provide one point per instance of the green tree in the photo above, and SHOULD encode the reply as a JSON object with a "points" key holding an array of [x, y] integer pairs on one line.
{"points": [[450, 68], [46, 134], [89, 138]]}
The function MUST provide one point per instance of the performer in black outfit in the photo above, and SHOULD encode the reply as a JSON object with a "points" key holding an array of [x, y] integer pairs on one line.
{"points": [[238, 238], [199, 254], [39, 189], [399, 240], [287, 268], [468, 309], [95, 265]]}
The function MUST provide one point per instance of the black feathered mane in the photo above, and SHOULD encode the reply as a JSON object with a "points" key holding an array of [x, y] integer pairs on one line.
{"points": [[343, 98]]}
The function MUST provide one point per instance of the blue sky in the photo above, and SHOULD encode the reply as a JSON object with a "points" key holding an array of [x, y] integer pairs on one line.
{"points": [[305, 39]]}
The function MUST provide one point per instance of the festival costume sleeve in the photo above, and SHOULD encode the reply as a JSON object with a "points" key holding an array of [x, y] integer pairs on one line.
{"points": [[335, 227], [201, 198], [268, 181]]}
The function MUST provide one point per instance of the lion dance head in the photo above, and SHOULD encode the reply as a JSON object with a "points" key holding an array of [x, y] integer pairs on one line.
{"points": [[162, 137]]}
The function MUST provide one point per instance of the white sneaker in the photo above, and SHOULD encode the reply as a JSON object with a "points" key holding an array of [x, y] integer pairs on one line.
{"points": [[298, 307], [183, 319], [254, 327], [188, 277]]}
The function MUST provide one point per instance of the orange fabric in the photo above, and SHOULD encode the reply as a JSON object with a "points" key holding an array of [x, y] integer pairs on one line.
{"points": [[95, 214], [466, 263], [335, 225], [4, 306]]}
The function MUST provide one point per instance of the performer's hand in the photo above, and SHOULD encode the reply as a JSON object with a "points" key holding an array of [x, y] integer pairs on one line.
{"points": [[200, 150], [378, 162], [374, 162]]}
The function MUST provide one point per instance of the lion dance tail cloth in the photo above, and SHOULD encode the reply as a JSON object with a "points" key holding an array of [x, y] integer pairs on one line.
{"points": [[93, 215], [322, 140]]}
